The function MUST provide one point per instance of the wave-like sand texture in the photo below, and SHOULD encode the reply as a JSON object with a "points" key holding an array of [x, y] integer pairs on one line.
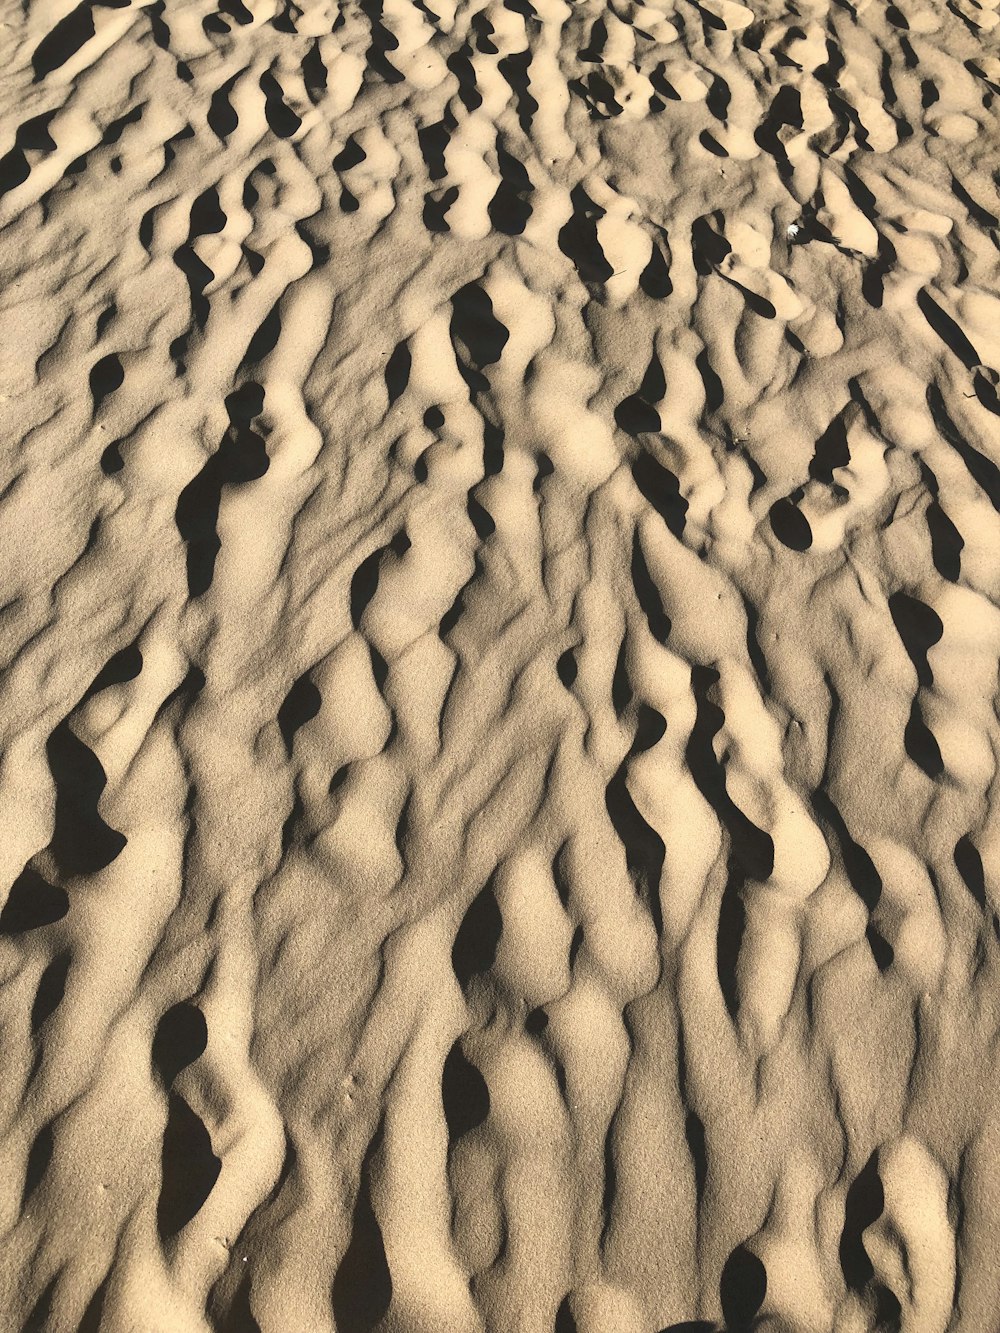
{"points": [[500, 627]]}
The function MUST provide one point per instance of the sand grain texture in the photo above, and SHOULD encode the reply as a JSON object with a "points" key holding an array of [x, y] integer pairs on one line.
{"points": [[500, 633]]}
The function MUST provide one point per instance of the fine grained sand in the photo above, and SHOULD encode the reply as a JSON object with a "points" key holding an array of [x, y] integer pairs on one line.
{"points": [[500, 627]]}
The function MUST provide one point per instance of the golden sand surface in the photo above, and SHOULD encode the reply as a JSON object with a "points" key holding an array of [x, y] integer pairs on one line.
{"points": [[499, 635]]}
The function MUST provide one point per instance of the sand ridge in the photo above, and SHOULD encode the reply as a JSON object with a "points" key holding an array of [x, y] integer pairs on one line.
{"points": [[500, 639]]}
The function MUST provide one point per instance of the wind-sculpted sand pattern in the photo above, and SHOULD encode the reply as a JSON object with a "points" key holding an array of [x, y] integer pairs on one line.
{"points": [[500, 637]]}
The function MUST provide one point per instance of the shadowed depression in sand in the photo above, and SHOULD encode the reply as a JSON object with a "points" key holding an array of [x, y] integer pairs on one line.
{"points": [[500, 631]]}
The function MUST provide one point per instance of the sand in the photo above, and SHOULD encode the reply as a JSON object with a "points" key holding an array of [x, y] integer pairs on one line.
{"points": [[500, 630]]}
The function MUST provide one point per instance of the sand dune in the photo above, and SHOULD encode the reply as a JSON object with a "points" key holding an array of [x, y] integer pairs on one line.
{"points": [[500, 626]]}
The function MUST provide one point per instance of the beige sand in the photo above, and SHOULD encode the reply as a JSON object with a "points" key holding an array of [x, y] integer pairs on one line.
{"points": [[500, 627]]}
